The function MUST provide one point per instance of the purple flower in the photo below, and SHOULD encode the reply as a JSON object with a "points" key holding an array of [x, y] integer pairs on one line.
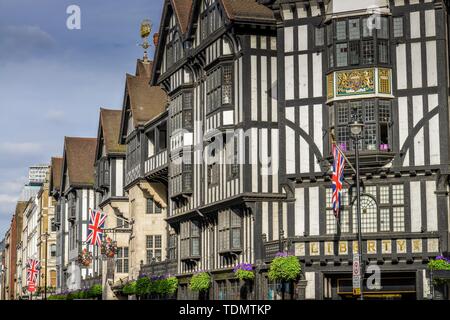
{"points": [[281, 254], [441, 257], [243, 266]]}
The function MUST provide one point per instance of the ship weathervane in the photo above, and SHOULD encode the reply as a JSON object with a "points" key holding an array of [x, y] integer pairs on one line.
{"points": [[146, 30]]}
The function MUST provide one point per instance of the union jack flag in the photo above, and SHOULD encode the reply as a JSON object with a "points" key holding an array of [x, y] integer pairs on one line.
{"points": [[95, 227], [337, 179], [33, 267]]}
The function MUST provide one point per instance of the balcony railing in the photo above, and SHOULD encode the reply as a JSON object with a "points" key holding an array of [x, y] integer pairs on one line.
{"points": [[156, 165], [160, 268]]}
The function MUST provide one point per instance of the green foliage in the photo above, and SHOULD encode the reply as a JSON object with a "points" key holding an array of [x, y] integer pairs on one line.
{"points": [[284, 268], [129, 288], [96, 291], [142, 286], [171, 285], [438, 265], [200, 282], [57, 297], [244, 274]]}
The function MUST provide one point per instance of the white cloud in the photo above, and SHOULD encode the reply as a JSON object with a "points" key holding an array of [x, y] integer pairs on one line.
{"points": [[22, 148], [7, 204], [55, 115], [21, 41]]}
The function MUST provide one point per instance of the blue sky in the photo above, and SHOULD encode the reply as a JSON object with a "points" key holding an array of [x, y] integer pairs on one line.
{"points": [[54, 80]]}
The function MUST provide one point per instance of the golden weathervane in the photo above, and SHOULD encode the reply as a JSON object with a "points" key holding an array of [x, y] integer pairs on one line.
{"points": [[146, 30]]}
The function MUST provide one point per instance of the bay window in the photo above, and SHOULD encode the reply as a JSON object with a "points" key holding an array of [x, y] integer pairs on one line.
{"points": [[354, 42], [376, 116]]}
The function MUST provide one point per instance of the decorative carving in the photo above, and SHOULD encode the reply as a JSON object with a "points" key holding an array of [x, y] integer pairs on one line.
{"points": [[384, 81], [355, 82]]}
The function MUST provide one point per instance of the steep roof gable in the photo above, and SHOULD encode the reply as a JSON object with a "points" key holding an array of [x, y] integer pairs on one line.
{"points": [[56, 171], [143, 101], [79, 156], [109, 130]]}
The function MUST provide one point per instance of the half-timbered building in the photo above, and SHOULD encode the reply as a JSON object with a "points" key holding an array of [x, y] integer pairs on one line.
{"points": [[109, 184], [143, 133], [217, 61], [76, 197], [376, 62], [258, 91]]}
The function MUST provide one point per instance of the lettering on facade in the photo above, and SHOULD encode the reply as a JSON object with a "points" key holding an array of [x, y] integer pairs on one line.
{"points": [[372, 247], [355, 247], [386, 246], [416, 245], [433, 245], [343, 247], [401, 246], [300, 249], [314, 248], [329, 248]]}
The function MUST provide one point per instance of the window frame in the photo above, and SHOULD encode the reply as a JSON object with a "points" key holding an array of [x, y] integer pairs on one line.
{"points": [[153, 248], [340, 125], [122, 260], [338, 48], [383, 207], [228, 222]]}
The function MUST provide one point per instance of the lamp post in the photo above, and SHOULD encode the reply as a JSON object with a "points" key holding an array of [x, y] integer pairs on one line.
{"points": [[356, 129], [45, 235]]}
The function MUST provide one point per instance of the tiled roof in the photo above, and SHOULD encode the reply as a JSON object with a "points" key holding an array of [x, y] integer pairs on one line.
{"points": [[110, 124], [80, 157], [146, 102], [248, 10], [56, 173], [183, 10]]}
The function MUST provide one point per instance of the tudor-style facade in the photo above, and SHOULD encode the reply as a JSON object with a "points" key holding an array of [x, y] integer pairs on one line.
{"points": [[223, 183], [76, 197], [143, 132], [109, 184], [341, 61], [289, 84]]}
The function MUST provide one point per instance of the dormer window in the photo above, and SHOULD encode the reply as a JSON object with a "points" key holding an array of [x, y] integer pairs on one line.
{"points": [[211, 18]]}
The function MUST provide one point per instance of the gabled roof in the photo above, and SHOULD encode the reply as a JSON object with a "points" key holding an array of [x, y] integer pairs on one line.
{"points": [[144, 69], [110, 130], [247, 10], [187, 12], [146, 101], [79, 156], [56, 171], [183, 9]]}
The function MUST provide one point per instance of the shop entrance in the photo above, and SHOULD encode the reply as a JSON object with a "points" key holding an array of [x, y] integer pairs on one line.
{"points": [[393, 286]]}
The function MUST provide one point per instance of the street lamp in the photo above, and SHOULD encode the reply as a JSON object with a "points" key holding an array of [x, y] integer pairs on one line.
{"points": [[356, 129], [46, 235]]}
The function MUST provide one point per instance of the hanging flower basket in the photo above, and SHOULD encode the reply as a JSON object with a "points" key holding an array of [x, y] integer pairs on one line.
{"points": [[109, 248], [440, 263], [441, 270], [284, 268], [200, 282], [244, 271], [85, 258]]}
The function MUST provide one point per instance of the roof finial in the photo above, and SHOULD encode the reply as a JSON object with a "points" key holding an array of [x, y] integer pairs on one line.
{"points": [[146, 30]]}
